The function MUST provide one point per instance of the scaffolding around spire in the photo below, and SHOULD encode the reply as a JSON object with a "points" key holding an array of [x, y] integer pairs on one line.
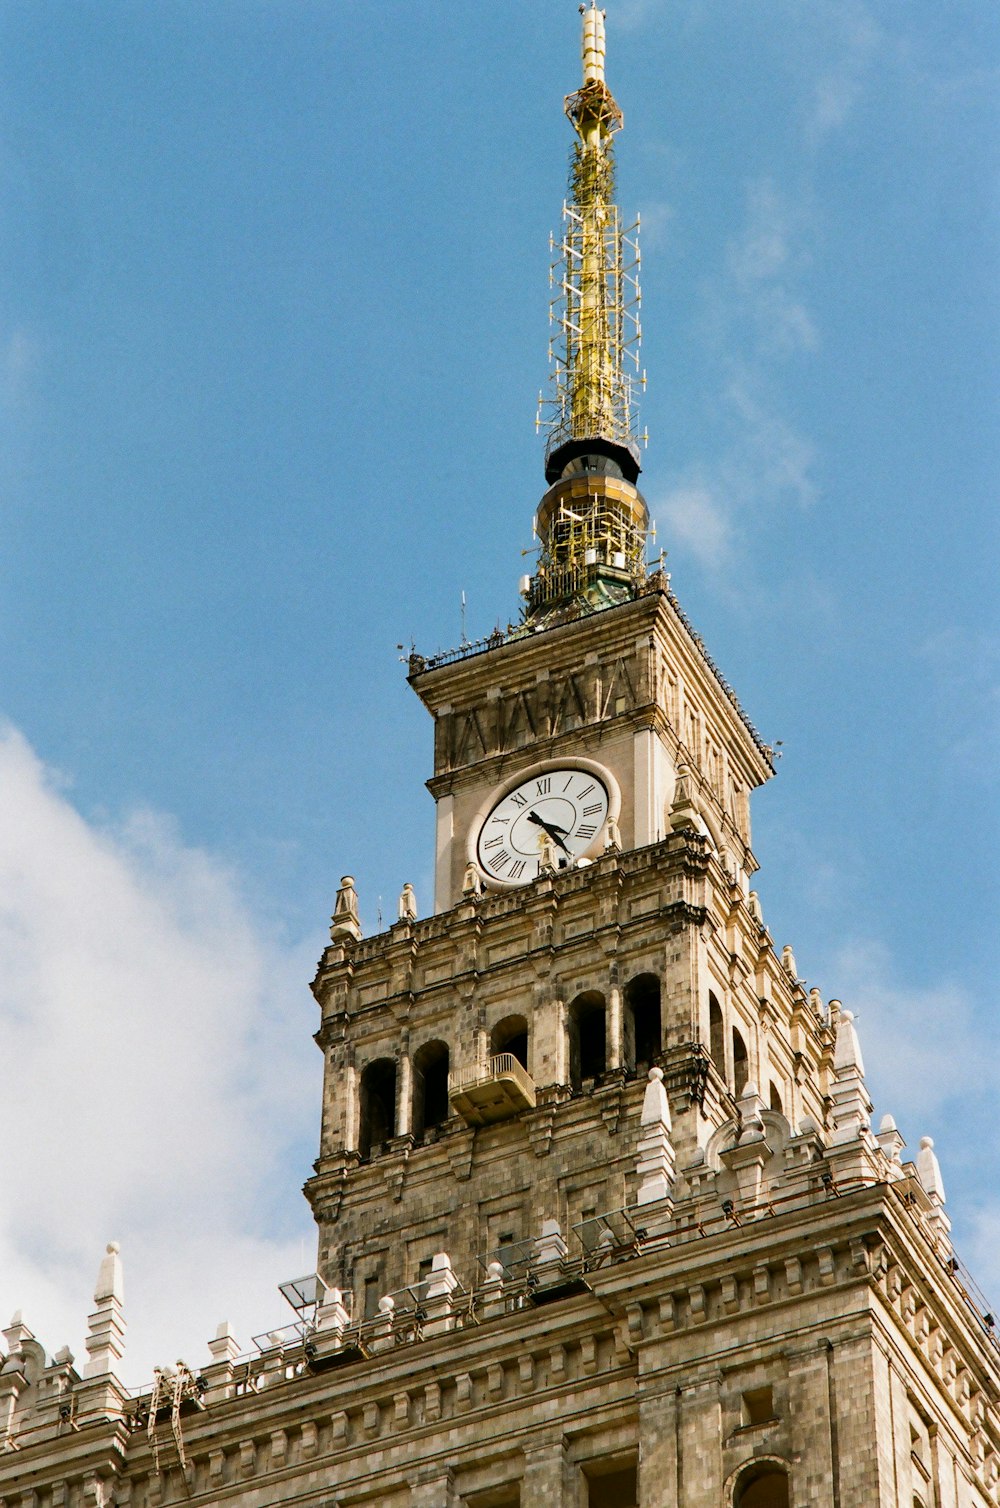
{"points": [[592, 523], [596, 296]]}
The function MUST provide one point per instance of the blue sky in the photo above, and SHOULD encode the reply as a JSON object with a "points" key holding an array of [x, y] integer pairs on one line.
{"points": [[273, 318]]}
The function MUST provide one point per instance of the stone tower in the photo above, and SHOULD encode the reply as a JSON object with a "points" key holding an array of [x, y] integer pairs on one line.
{"points": [[602, 1218]]}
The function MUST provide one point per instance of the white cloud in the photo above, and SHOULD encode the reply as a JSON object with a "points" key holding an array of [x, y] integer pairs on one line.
{"points": [[757, 321], [924, 1047], [930, 1053], [764, 261], [981, 1253], [20, 358], [964, 674], [631, 14], [158, 1066], [850, 50], [693, 517], [657, 215]]}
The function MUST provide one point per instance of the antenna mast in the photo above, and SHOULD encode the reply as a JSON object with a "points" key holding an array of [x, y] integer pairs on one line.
{"points": [[596, 282], [592, 522]]}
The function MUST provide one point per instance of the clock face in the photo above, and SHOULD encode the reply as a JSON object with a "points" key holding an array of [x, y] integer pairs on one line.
{"points": [[565, 808]]}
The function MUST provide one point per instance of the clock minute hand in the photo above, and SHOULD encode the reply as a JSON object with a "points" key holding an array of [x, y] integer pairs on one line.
{"points": [[550, 827]]}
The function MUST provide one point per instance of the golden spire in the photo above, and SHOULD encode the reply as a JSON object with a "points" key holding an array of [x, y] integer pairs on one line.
{"points": [[596, 278], [592, 522]]}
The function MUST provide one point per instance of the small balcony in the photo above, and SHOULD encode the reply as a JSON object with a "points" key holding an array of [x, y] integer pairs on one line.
{"points": [[494, 1093]]}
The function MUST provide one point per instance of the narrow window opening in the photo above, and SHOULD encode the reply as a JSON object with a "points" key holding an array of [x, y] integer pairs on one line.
{"points": [[741, 1066], [716, 1035], [776, 1099], [590, 1227], [508, 1251], [424, 1269], [372, 1295], [758, 1406], [378, 1105], [430, 1087], [642, 1023], [587, 1043]]}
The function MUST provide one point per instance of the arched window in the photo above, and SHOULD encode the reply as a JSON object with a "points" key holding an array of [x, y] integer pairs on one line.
{"points": [[741, 1064], [378, 1105], [587, 1040], [642, 1022], [430, 1087], [775, 1100], [762, 1486], [511, 1035], [716, 1035]]}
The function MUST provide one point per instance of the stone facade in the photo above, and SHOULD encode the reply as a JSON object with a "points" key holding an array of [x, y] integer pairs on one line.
{"points": [[602, 1220], [643, 1247]]}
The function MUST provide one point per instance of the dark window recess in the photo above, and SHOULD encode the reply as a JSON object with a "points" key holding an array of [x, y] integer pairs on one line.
{"points": [[758, 1406], [643, 1040], [372, 1296], [775, 1100], [741, 1064], [613, 1489], [763, 1486], [590, 1227], [430, 1087], [716, 1035], [378, 1105], [511, 1035], [587, 1043]]}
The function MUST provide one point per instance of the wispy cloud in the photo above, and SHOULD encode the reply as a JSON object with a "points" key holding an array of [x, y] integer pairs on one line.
{"points": [[756, 320], [693, 517], [926, 1042], [163, 1069], [930, 1051], [632, 14], [964, 667], [656, 218], [20, 358], [852, 41]]}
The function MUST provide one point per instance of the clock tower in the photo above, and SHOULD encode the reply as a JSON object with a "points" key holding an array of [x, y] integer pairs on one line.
{"points": [[593, 911], [603, 1220], [588, 1078], [599, 723]]}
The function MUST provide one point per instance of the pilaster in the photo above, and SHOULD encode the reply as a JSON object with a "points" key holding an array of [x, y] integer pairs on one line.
{"points": [[544, 1482]]}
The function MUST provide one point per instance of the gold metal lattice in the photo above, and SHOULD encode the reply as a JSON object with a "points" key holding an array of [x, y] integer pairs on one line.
{"points": [[595, 277]]}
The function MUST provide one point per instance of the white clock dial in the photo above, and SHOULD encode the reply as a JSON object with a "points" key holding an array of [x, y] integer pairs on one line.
{"points": [[564, 808]]}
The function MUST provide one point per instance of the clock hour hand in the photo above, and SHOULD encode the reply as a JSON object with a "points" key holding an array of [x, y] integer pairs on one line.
{"points": [[555, 833]]}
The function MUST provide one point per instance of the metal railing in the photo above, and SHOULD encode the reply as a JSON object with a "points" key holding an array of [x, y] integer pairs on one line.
{"points": [[501, 1065]]}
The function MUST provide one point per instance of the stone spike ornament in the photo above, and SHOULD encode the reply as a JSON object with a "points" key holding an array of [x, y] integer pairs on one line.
{"points": [[656, 1162], [105, 1340]]}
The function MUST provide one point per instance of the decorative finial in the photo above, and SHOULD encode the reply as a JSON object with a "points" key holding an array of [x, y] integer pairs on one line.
{"points": [[110, 1279], [105, 1340], [594, 45], [683, 809], [929, 1171], [345, 921], [407, 904]]}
